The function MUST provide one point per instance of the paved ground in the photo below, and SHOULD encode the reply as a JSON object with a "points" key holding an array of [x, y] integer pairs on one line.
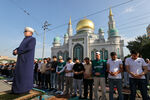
{"points": [[4, 86]]}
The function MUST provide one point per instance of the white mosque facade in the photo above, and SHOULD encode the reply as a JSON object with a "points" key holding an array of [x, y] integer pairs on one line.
{"points": [[85, 43]]}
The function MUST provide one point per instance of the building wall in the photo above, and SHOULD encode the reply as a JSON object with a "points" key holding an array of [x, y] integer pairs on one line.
{"points": [[91, 43]]}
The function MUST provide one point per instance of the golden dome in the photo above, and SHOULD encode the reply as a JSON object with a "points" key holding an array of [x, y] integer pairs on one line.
{"points": [[85, 23]]}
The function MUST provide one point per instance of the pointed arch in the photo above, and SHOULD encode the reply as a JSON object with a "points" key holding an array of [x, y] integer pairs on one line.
{"points": [[66, 55], [93, 54], [78, 52], [60, 53]]}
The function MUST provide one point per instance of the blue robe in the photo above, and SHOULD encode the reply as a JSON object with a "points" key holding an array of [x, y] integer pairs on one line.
{"points": [[23, 76]]}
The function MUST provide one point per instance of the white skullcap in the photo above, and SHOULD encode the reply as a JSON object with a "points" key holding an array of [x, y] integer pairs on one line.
{"points": [[29, 29], [97, 53]]}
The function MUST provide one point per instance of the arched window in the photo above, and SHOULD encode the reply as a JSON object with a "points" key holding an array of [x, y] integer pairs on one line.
{"points": [[92, 55], [66, 55], [93, 52], [78, 52], [118, 52], [106, 54], [59, 54], [102, 54]]}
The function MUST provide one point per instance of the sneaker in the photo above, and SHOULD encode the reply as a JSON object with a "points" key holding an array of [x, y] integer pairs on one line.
{"points": [[58, 92], [34, 85], [61, 93]]}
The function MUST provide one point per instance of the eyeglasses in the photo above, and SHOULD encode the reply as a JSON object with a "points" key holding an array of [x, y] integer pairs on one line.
{"points": [[25, 31]]}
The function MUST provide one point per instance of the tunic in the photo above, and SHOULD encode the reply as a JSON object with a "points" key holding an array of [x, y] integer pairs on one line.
{"points": [[23, 76]]}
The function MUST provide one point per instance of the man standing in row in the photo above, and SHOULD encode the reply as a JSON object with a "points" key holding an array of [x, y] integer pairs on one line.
{"points": [[53, 73], [69, 76], [88, 80], [43, 75], [78, 70], [114, 68], [148, 73], [137, 69], [60, 74], [99, 69]]}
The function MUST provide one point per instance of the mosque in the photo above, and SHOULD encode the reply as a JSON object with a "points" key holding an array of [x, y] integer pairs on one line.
{"points": [[85, 43]]}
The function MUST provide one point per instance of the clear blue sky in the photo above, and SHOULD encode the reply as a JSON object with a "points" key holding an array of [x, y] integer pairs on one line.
{"points": [[128, 18]]}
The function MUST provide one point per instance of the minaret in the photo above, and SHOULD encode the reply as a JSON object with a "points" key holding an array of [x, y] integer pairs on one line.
{"points": [[66, 38], [101, 34], [111, 23], [113, 34], [69, 31]]}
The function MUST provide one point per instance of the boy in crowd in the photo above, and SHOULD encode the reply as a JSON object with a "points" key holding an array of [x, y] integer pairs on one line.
{"points": [[78, 70], [88, 80], [99, 69], [60, 75], [137, 69], [69, 76], [114, 68]]}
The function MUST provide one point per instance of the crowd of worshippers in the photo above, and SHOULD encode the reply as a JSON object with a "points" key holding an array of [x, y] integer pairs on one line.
{"points": [[68, 77], [7, 69]]}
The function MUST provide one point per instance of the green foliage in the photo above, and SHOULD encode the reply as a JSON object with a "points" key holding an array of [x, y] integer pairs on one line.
{"points": [[142, 45]]}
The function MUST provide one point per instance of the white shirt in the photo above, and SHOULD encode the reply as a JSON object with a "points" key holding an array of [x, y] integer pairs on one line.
{"points": [[39, 65], [148, 65], [69, 67], [135, 66], [114, 67]]}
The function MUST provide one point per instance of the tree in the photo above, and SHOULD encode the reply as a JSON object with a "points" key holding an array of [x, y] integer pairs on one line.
{"points": [[142, 45]]}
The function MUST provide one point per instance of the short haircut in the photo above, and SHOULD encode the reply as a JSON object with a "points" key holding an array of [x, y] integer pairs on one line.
{"points": [[49, 58], [86, 58], [68, 58], [134, 52], [45, 59], [113, 54], [54, 57], [76, 59]]}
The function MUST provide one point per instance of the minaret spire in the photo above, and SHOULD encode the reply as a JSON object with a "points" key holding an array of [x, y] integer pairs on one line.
{"points": [[70, 21], [69, 31], [110, 12], [111, 23]]}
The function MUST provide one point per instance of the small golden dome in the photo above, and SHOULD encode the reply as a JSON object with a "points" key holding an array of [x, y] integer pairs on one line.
{"points": [[85, 23]]}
